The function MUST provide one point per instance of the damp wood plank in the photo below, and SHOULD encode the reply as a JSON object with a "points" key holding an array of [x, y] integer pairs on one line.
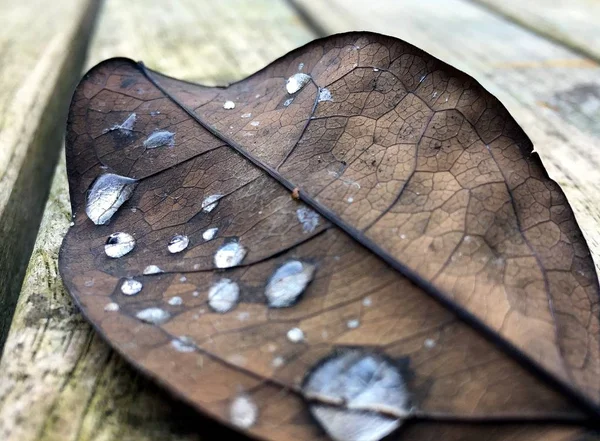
{"points": [[37, 74], [58, 379], [573, 23], [553, 92]]}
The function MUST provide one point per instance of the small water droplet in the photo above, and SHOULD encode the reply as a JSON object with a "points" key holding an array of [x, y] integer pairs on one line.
{"points": [[119, 244], [178, 243], [353, 324], [257, 95], [154, 316], [131, 287], [350, 199], [296, 82], [183, 279], [210, 202], [429, 343], [183, 344], [223, 295], [106, 195], [111, 307], [288, 102], [243, 412], [155, 113], [300, 66], [210, 234], [229, 255], [288, 282], [278, 362], [160, 139], [196, 293], [308, 218], [375, 69], [367, 301], [422, 78], [246, 115], [295, 335], [403, 236], [357, 396], [152, 269], [72, 224], [228, 105], [255, 123], [325, 95], [175, 301]]}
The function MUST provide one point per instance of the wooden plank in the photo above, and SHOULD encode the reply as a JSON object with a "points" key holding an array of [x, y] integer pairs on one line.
{"points": [[573, 23], [534, 78], [58, 379], [37, 74]]}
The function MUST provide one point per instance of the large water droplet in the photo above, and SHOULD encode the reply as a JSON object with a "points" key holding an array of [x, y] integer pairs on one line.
{"points": [[324, 95], [296, 82], [131, 287], [357, 396], [178, 243], [288, 282], [243, 412], [159, 139], [106, 195], [223, 295], [155, 316], [308, 218], [210, 234], [152, 269], [230, 255], [211, 202], [228, 105], [119, 244]]}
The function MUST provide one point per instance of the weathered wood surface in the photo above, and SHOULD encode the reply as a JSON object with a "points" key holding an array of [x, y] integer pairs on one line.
{"points": [[573, 23], [37, 74], [546, 87], [58, 380]]}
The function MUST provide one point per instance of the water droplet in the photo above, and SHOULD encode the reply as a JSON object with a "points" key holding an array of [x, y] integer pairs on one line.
{"points": [[350, 199], [178, 243], [353, 324], [255, 123], [119, 244], [155, 316], [159, 139], [288, 282], [229, 255], [296, 82], [111, 307], [243, 412], [375, 69], [223, 295], [106, 195], [243, 316], [183, 344], [357, 396], [295, 335], [196, 293], [152, 269], [422, 78], [210, 202], [155, 113], [367, 301], [308, 218], [300, 66], [210, 234], [325, 95], [429, 343], [228, 105], [246, 115], [72, 224], [183, 279], [278, 362], [288, 102], [175, 301], [403, 236], [131, 287]]}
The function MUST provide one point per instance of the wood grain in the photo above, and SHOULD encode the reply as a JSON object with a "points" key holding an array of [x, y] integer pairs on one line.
{"points": [[58, 379], [37, 74], [534, 78], [573, 23]]}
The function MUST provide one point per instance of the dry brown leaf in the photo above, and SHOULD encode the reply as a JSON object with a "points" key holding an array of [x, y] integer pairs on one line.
{"points": [[426, 273]]}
